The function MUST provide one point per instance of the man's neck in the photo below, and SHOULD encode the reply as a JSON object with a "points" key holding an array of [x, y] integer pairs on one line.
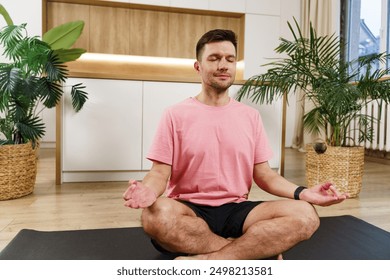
{"points": [[213, 99]]}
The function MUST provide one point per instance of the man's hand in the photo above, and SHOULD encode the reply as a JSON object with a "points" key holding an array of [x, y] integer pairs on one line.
{"points": [[138, 196], [323, 194]]}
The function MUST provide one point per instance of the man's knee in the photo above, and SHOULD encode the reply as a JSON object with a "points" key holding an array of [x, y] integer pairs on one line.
{"points": [[308, 218], [156, 217]]}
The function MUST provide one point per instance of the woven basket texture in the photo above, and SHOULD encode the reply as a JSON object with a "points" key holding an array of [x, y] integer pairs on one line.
{"points": [[18, 170], [343, 166]]}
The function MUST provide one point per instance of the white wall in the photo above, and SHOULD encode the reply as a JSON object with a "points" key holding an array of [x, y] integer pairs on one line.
{"points": [[25, 11]]}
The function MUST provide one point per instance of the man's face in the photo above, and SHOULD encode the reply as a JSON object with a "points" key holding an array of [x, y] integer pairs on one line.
{"points": [[217, 67]]}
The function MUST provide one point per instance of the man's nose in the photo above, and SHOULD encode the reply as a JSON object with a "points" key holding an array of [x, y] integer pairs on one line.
{"points": [[223, 64]]}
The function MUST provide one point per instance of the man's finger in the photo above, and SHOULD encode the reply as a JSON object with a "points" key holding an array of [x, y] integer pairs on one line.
{"points": [[127, 194], [130, 190], [131, 203]]}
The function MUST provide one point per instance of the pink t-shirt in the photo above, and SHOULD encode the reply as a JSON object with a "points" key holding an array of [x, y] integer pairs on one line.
{"points": [[212, 150]]}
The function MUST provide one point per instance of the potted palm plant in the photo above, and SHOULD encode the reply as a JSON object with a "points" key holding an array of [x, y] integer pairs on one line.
{"points": [[31, 79], [338, 90]]}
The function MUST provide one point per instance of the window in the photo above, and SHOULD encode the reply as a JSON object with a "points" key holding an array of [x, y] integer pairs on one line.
{"points": [[365, 27]]}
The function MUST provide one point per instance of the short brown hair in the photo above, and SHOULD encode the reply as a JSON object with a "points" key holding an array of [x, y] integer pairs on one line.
{"points": [[215, 35]]}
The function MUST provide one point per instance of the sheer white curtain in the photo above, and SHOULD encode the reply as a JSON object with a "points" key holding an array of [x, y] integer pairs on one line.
{"points": [[321, 14]]}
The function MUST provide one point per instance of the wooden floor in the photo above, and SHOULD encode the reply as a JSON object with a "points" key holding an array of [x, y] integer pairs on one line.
{"points": [[99, 205]]}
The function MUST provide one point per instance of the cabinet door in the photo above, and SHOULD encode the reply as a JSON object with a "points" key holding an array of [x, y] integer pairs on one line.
{"points": [[106, 133], [157, 97]]}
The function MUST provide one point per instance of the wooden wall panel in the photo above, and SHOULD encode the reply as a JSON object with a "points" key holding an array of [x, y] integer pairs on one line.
{"points": [[214, 22], [136, 30], [148, 33], [109, 32], [184, 32], [58, 13]]}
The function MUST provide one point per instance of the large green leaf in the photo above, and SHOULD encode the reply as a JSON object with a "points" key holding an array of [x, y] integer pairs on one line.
{"points": [[5, 15], [64, 35], [68, 55]]}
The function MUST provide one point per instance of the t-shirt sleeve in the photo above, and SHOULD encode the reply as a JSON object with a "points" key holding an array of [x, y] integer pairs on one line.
{"points": [[263, 150], [161, 149]]}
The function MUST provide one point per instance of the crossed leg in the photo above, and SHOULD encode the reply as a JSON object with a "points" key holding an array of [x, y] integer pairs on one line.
{"points": [[269, 229], [177, 228]]}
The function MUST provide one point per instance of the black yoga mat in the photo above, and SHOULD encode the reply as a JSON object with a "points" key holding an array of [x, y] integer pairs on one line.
{"points": [[338, 238]]}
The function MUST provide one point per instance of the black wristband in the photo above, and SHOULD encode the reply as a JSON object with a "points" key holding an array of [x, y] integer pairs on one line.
{"points": [[298, 191]]}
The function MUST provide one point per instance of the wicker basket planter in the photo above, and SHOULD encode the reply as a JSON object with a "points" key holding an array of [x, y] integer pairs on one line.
{"points": [[18, 170], [343, 166]]}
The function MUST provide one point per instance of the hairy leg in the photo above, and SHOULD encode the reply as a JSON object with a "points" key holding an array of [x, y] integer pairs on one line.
{"points": [[177, 229], [270, 229]]}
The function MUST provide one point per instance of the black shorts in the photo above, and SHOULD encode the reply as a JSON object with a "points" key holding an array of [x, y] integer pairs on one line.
{"points": [[226, 220]]}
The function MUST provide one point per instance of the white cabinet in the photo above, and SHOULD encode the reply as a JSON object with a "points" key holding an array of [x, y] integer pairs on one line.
{"points": [[107, 133], [108, 140], [49, 115]]}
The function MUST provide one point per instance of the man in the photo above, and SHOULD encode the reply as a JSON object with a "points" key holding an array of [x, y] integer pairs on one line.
{"points": [[206, 152]]}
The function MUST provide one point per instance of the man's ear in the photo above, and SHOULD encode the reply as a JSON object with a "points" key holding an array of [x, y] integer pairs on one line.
{"points": [[196, 66]]}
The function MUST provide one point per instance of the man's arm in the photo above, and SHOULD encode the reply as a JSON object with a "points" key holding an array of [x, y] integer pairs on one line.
{"points": [[157, 178], [270, 181], [142, 195]]}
